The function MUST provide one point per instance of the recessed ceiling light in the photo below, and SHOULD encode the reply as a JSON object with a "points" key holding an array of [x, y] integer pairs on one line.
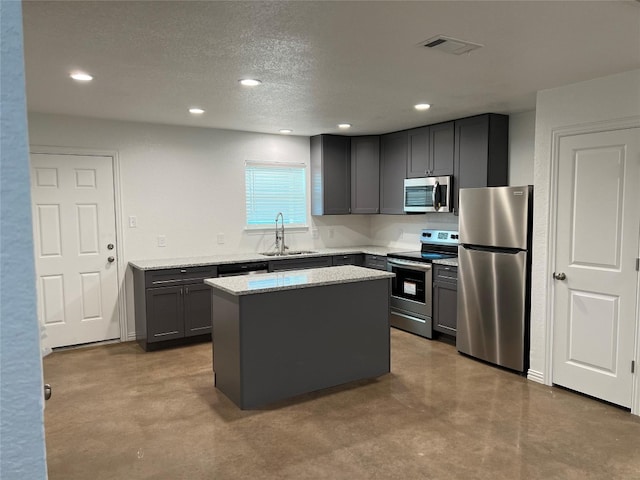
{"points": [[286, 131], [250, 82], [196, 111], [422, 106], [344, 125], [81, 76]]}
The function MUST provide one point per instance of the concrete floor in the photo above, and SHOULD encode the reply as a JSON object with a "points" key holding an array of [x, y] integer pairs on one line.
{"points": [[120, 413]]}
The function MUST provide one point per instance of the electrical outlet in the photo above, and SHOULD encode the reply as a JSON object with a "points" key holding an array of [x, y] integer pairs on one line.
{"points": [[314, 234], [162, 240], [331, 232], [133, 221], [220, 238]]}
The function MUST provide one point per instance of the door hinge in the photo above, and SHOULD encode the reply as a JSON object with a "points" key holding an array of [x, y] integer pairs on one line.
{"points": [[633, 366], [637, 264]]}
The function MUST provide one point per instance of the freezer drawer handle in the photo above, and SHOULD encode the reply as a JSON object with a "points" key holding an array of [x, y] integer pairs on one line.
{"points": [[559, 276]]}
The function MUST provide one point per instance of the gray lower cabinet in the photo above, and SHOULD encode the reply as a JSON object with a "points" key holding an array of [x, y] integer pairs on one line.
{"points": [[377, 262], [172, 304], [365, 174], [445, 299], [278, 344], [299, 263], [348, 259], [330, 175], [197, 309], [393, 171]]}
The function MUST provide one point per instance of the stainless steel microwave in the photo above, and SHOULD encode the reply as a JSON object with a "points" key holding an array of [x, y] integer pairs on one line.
{"points": [[427, 194]]}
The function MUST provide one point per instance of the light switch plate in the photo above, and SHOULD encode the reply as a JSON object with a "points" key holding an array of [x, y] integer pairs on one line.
{"points": [[220, 238], [162, 240], [133, 221]]}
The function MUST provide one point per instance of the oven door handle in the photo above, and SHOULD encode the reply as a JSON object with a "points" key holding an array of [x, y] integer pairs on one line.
{"points": [[423, 267]]}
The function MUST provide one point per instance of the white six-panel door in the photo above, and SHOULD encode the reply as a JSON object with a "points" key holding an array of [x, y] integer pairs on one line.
{"points": [[74, 228], [598, 224]]}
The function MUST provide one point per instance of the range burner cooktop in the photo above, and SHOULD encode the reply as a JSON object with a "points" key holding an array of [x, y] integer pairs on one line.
{"points": [[421, 256], [436, 245]]}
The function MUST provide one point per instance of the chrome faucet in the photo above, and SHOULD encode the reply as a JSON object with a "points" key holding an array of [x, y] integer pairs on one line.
{"points": [[280, 246]]}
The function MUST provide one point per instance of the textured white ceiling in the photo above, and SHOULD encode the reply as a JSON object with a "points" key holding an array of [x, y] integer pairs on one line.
{"points": [[322, 63]]}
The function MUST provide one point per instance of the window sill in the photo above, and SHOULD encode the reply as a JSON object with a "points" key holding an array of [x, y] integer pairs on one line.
{"points": [[257, 230]]}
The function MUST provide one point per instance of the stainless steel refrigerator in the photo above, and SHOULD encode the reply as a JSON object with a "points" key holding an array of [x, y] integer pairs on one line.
{"points": [[494, 275]]}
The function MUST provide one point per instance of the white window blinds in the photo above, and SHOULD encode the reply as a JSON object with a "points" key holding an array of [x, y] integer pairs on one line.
{"points": [[275, 187]]}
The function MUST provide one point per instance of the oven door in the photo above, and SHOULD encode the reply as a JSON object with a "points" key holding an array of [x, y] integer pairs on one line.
{"points": [[411, 296]]}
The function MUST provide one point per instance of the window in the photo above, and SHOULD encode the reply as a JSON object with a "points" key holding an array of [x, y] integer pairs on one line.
{"points": [[275, 187]]}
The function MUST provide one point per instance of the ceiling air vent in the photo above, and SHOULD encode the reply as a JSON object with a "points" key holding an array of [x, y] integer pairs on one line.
{"points": [[450, 45]]}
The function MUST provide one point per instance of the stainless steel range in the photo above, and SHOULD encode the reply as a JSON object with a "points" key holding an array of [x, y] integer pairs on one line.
{"points": [[411, 291]]}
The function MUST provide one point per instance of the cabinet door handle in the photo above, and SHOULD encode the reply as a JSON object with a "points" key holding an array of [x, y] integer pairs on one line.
{"points": [[186, 290]]}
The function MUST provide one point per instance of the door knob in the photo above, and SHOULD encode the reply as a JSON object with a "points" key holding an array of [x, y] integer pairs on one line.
{"points": [[559, 276], [110, 246], [47, 391], [111, 259]]}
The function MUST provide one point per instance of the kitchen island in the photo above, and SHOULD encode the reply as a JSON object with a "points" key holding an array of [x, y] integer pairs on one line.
{"points": [[278, 335]]}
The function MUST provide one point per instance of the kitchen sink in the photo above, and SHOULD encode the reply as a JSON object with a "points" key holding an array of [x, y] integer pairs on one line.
{"points": [[286, 253]]}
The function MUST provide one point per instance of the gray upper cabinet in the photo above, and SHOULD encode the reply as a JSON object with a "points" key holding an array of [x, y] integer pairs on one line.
{"points": [[330, 175], [418, 159], [481, 157], [393, 171], [431, 151], [441, 149], [365, 174]]}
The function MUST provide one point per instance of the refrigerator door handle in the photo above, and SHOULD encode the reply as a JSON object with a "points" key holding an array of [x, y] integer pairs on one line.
{"points": [[479, 248]]}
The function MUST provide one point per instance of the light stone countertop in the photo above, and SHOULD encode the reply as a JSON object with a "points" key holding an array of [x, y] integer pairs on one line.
{"points": [[451, 262], [295, 279], [255, 257]]}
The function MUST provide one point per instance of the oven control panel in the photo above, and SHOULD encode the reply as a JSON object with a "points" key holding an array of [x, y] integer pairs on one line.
{"points": [[439, 237]]}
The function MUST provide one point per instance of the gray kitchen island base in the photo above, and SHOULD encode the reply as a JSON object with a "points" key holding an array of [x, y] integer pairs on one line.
{"points": [[275, 345]]}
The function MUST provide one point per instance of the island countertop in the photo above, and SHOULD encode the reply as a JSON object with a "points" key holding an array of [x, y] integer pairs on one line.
{"points": [[295, 279]]}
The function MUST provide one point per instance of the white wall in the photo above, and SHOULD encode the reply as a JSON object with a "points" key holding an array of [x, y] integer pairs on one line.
{"points": [[22, 448], [609, 98], [403, 231], [522, 128], [188, 184]]}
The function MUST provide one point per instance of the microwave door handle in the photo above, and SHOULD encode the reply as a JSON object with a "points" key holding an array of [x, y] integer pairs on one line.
{"points": [[436, 196]]}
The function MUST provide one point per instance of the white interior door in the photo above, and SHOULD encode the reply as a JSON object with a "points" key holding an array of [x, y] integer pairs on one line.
{"points": [[598, 215], [74, 227]]}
